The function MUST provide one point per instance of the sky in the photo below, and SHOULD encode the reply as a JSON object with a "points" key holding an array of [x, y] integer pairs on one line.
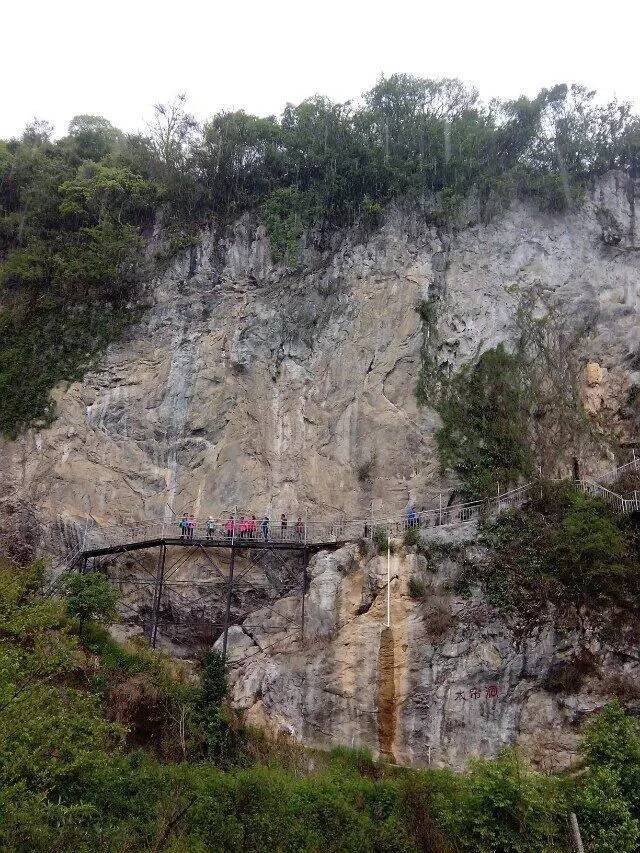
{"points": [[118, 58]]}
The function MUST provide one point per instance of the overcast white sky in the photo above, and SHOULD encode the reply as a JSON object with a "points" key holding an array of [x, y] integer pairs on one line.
{"points": [[117, 58]]}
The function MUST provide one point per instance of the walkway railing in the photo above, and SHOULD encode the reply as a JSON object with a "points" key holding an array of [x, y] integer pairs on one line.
{"points": [[317, 532]]}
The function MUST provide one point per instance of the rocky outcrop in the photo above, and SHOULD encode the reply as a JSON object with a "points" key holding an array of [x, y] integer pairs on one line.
{"points": [[432, 688]]}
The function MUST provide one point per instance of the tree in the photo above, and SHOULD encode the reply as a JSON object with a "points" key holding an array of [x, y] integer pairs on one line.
{"points": [[608, 804], [171, 132], [93, 137], [483, 436], [90, 597], [37, 132], [214, 680], [218, 738]]}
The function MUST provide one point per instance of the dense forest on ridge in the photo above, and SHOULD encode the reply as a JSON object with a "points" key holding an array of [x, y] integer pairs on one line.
{"points": [[76, 212]]}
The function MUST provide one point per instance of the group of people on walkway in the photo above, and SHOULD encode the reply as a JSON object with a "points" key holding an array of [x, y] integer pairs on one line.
{"points": [[245, 527]]}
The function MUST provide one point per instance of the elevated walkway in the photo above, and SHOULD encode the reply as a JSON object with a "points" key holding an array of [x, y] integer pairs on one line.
{"points": [[256, 543], [316, 535]]}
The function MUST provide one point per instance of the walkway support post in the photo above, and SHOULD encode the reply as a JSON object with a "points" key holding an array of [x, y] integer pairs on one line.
{"points": [[227, 614], [305, 562], [157, 595]]}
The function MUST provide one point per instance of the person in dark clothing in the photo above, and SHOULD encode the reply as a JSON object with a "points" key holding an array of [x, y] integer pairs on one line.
{"points": [[299, 529], [264, 527]]}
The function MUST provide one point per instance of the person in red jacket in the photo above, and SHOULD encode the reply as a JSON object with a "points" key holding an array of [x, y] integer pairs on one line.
{"points": [[229, 527]]}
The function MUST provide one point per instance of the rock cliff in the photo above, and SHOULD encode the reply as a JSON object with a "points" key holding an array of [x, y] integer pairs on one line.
{"points": [[451, 678], [249, 385]]}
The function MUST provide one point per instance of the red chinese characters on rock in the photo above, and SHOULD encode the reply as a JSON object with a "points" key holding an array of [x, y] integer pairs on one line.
{"points": [[491, 691]]}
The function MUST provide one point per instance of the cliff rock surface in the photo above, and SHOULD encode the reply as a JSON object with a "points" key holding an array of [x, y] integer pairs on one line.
{"points": [[251, 386]]}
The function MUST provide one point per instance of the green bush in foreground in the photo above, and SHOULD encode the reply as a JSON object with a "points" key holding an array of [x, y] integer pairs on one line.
{"points": [[72, 778]]}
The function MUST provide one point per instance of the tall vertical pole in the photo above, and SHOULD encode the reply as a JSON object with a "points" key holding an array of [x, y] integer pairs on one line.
{"points": [[227, 614], [388, 581], [158, 594], [305, 560]]}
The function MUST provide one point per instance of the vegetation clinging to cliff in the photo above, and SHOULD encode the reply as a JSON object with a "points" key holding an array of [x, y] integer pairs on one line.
{"points": [[563, 547], [507, 413], [73, 212]]}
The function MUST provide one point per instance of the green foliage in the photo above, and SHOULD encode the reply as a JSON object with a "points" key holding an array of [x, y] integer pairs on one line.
{"points": [[412, 537], [606, 820], [381, 540], [608, 804], [430, 140], [90, 597], [484, 411], [562, 546], [612, 741], [82, 768], [43, 341], [71, 217], [508, 808], [93, 137], [213, 682], [508, 412], [286, 212], [220, 742], [417, 588]]}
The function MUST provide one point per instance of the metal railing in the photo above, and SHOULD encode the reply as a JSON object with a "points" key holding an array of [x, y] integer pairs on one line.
{"points": [[302, 531], [615, 473], [620, 503]]}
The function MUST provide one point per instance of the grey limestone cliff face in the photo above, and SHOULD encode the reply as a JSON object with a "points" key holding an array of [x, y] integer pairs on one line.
{"points": [[249, 385], [451, 679], [275, 390]]}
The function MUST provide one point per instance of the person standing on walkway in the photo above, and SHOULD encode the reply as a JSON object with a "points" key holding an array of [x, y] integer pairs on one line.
{"points": [[253, 527], [191, 525], [228, 528], [210, 527], [283, 526], [264, 527], [299, 529], [184, 524]]}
